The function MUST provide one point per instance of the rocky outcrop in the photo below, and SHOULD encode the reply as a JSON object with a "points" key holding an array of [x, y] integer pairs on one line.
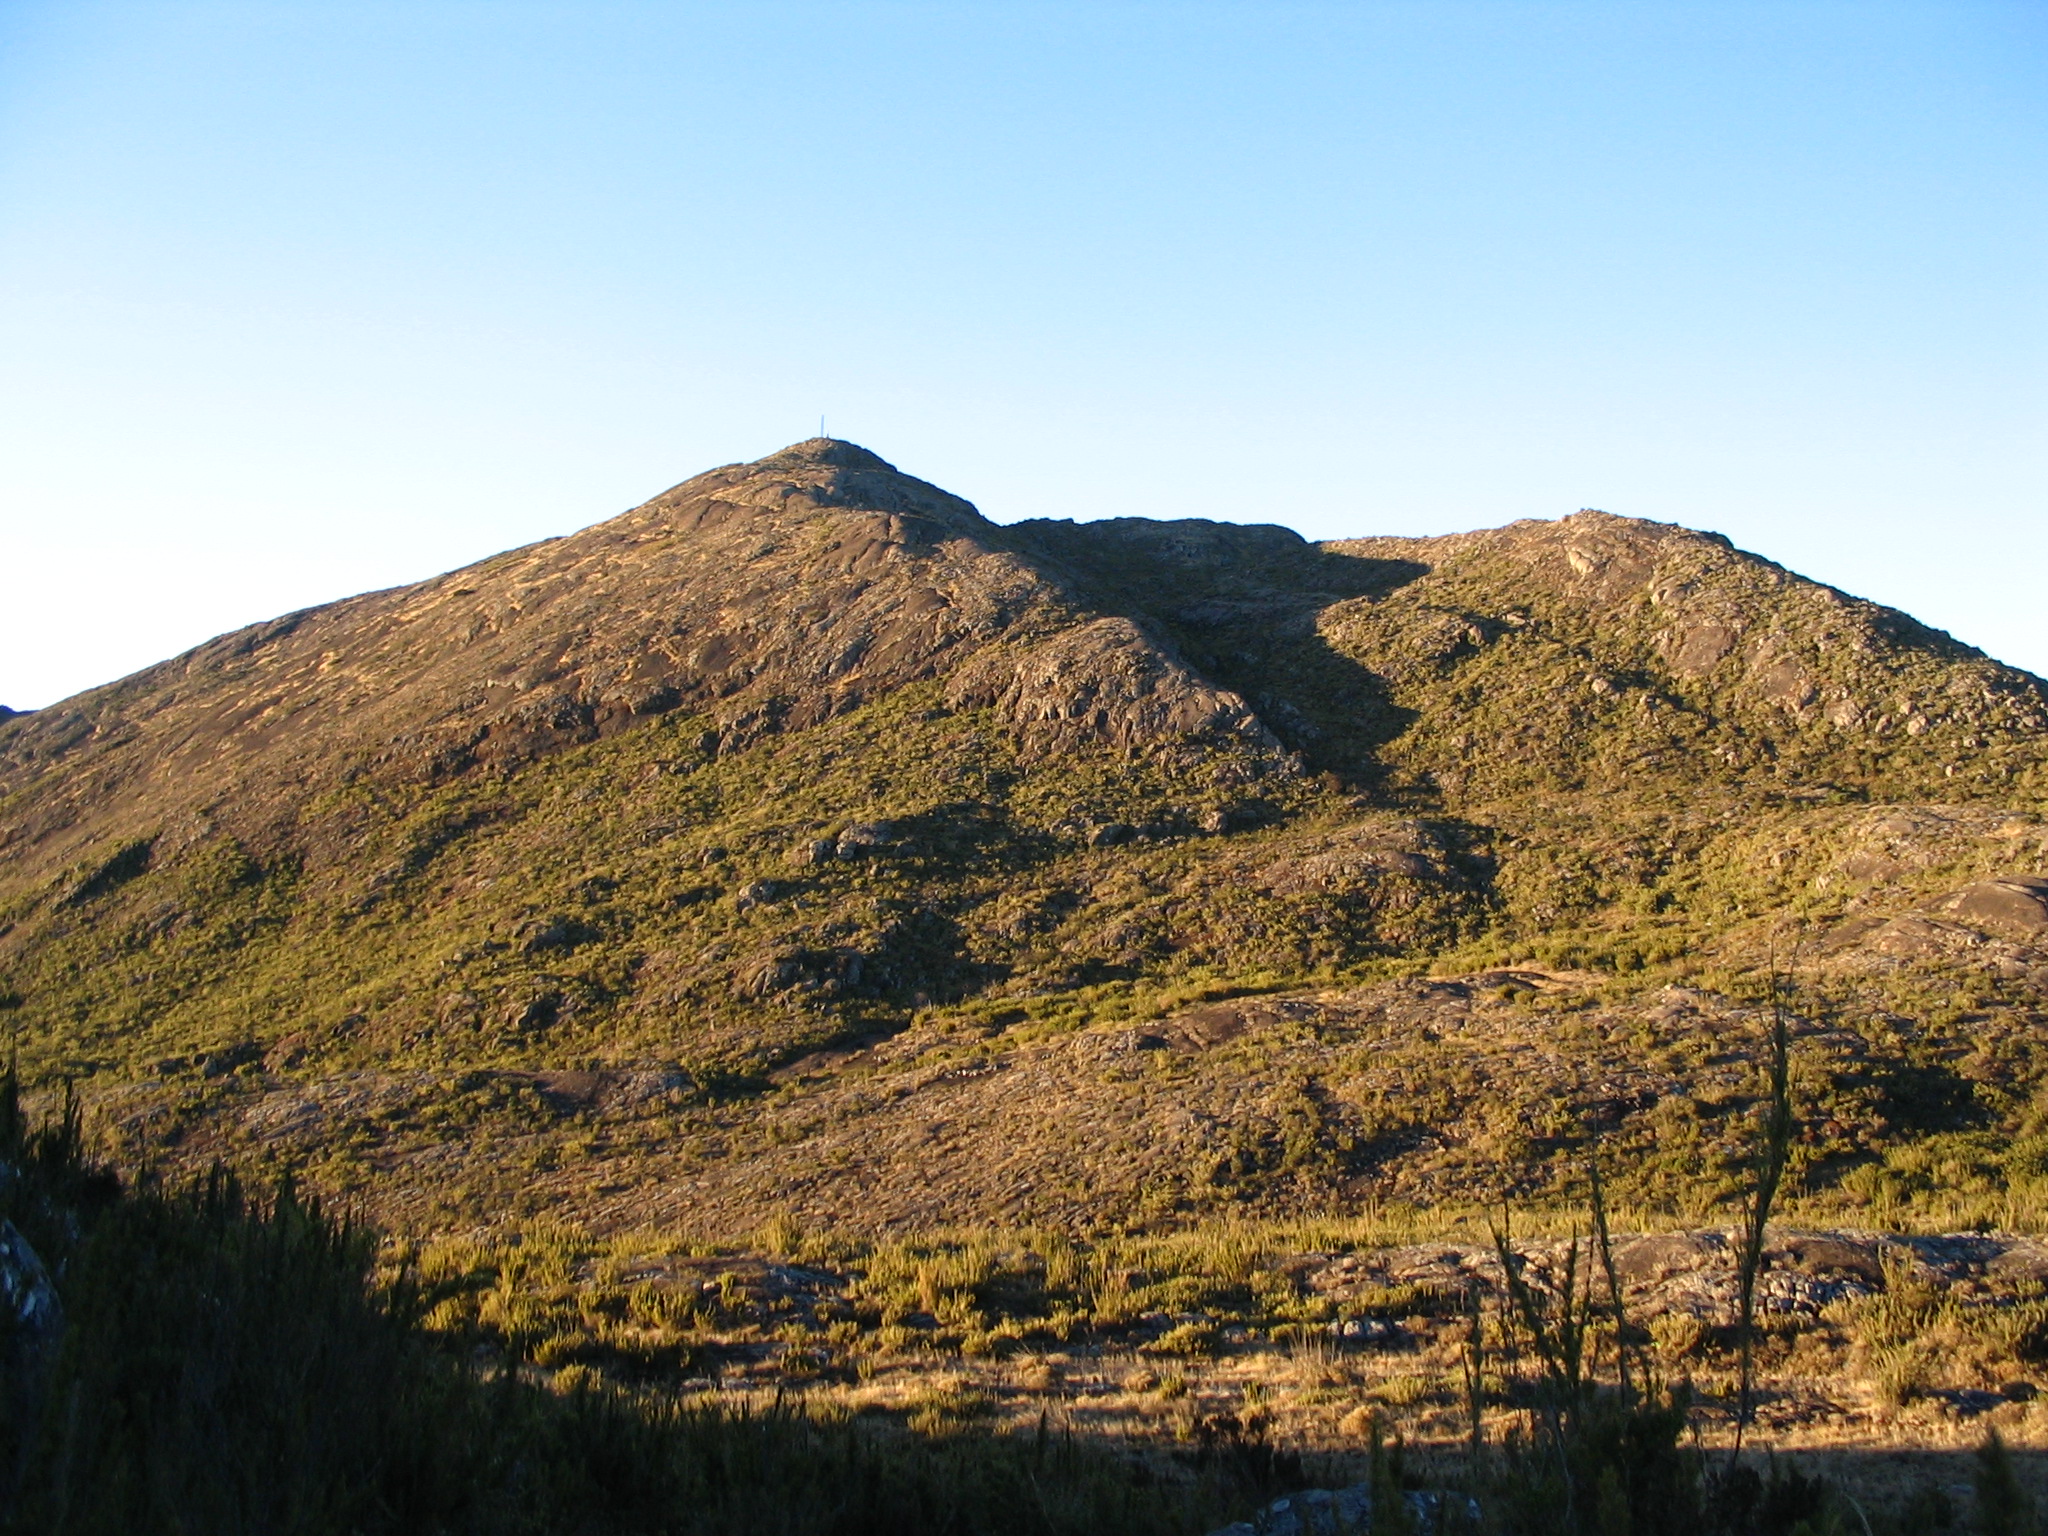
{"points": [[1349, 1512], [1111, 681], [1998, 925], [1363, 856], [2012, 906], [35, 1317], [1662, 598]]}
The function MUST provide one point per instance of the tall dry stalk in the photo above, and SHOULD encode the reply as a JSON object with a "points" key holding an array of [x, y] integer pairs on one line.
{"points": [[1606, 1249], [1556, 1323], [1555, 1320], [1475, 1371], [1774, 1150]]}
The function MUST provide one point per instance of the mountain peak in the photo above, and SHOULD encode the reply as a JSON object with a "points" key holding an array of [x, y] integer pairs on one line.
{"points": [[816, 474], [834, 452]]}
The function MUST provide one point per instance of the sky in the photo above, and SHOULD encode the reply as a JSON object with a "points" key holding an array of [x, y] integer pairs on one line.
{"points": [[299, 300]]}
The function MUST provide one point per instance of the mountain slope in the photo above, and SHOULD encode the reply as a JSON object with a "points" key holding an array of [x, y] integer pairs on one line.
{"points": [[771, 596], [669, 855]]}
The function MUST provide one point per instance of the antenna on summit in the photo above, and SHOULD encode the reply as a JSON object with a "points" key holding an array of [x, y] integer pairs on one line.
{"points": [[821, 426]]}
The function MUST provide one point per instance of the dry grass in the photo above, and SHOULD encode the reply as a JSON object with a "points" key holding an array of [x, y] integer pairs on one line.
{"points": [[1154, 1337]]}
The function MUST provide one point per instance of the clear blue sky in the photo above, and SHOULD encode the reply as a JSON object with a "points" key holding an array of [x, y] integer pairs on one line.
{"points": [[301, 299]]}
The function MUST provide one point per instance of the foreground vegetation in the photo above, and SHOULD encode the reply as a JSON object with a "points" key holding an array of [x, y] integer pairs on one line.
{"points": [[1317, 1330], [229, 1366], [235, 1364]]}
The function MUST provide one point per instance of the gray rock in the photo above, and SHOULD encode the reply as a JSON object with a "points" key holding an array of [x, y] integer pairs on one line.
{"points": [[35, 1316], [555, 931], [2013, 906], [1339, 1512], [757, 893], [1363, 1332], [864, 838], [31, 1327]]}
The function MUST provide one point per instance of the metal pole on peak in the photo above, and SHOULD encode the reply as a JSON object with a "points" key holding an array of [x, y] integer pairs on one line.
{"points": [[821, 426]]}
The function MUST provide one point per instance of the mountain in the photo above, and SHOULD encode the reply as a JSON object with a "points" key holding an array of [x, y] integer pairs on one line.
{"points": [[801, 839]]}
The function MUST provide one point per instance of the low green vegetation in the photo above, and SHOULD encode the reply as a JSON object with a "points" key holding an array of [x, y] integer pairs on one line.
{"points": [[231, 1362], [634, 906]]}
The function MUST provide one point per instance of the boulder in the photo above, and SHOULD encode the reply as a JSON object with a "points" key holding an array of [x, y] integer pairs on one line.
{"points": [[555, 931], [2011, 906], [1110, 680], [757, 893], [819, 973], [865, 838]]}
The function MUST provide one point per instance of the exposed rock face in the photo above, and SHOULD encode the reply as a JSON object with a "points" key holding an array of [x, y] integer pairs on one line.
{"points": [[1363, 856], [2015, 906], [1344, 1511], [1709, 611], [1110, 680], [1695, 1273], [35, 1316]]}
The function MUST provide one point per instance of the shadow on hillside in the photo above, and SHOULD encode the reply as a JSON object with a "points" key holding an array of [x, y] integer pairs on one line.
{"points": [[1241, 605], [1336, 713]]}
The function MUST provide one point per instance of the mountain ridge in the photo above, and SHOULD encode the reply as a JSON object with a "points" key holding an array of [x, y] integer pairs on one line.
{"points": [[1608, 560], [803, 778]]}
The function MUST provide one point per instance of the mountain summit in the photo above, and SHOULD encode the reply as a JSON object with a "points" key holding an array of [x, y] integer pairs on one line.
{"points": [[751, 829]]}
